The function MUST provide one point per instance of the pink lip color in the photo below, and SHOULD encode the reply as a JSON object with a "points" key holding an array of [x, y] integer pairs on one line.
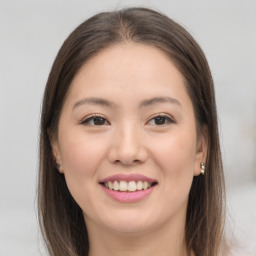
{"points": [[128, 197], [130, 177]]}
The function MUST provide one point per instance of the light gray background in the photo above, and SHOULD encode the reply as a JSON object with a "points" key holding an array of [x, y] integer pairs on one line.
{"points": [[31, 32]]}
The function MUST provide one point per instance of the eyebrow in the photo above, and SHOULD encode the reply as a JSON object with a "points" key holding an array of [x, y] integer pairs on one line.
{"points": [[94, 101], [156, 100], [144, 103]]}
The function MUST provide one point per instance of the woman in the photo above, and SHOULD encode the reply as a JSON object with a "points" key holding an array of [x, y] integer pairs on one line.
{"points": [[130, 160]]}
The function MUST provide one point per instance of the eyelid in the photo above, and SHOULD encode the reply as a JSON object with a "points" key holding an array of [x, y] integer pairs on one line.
{"points": [[90, 117], [171, 119]]}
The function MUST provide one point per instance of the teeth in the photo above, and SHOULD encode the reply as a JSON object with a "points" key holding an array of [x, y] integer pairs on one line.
{"points": [[116, 185], [110, 185], [130, 186], [123, 186], [139, 185], [145, 185]]}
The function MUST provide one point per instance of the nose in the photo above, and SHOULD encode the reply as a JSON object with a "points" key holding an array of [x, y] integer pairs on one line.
{"points": [[128, 147]]}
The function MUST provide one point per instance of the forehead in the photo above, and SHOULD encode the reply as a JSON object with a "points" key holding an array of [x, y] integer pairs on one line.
{"points": [[131, 58], [128, 66]]}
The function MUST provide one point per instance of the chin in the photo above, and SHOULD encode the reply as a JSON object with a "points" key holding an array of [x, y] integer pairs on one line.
{"points": [[130, 221], [130, 227]]}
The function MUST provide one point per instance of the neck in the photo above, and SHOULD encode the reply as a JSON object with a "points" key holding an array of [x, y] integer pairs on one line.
{"points": [[162, 241]]}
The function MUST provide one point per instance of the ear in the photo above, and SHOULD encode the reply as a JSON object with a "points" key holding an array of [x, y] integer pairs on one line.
{"points": [[201, 151], [57, 155]]}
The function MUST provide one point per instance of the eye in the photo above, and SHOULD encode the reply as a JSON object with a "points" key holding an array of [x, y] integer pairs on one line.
{"points": [[95, 121], [160, 120]]}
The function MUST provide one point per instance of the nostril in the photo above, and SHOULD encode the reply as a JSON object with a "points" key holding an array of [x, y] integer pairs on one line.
{"points": [[127, 155], [127, 162]]}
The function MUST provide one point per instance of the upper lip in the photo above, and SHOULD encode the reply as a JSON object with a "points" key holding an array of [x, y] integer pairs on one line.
{"points": [[128, 177]]}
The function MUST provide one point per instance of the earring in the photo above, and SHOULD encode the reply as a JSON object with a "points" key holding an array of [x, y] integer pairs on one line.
{"points": [[58, 166], [202, 168]]}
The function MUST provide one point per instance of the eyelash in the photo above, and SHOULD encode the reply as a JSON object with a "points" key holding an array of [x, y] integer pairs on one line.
{"points": [[167, 120], [93, 118]]}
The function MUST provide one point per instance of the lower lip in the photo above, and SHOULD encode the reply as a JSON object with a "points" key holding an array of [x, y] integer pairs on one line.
{"points": [[128, 197]]}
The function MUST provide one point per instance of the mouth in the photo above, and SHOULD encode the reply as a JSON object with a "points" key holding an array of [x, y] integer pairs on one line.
{"points": [[128, 183], [130, 186]]}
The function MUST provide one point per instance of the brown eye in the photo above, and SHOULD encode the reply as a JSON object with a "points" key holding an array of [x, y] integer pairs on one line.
{"points": [[160, 120], [95, 120], [99, 121]]}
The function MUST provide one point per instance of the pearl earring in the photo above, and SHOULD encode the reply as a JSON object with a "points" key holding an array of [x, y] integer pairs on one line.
{"points": [[202, 166]]}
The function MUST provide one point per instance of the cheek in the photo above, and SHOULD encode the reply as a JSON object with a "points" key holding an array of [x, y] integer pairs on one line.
{"points": [[81, 154], [174, 158], [175, 155]]}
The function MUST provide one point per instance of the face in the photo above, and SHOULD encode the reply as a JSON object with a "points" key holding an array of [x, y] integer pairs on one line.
{"points": [[127, 141]]}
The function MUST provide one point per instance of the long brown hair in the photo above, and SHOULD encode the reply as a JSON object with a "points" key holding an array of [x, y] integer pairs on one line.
{"points": [[61, 219]]}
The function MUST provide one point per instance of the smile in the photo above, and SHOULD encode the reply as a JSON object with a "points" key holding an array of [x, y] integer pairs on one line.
{"points": [[128, 188]]}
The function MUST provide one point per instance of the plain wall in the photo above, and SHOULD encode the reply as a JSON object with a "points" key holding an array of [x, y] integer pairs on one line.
{"points": [[31, 33]]}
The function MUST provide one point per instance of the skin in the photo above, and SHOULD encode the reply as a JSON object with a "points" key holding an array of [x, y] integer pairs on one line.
{"points": [[130, 141]]}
